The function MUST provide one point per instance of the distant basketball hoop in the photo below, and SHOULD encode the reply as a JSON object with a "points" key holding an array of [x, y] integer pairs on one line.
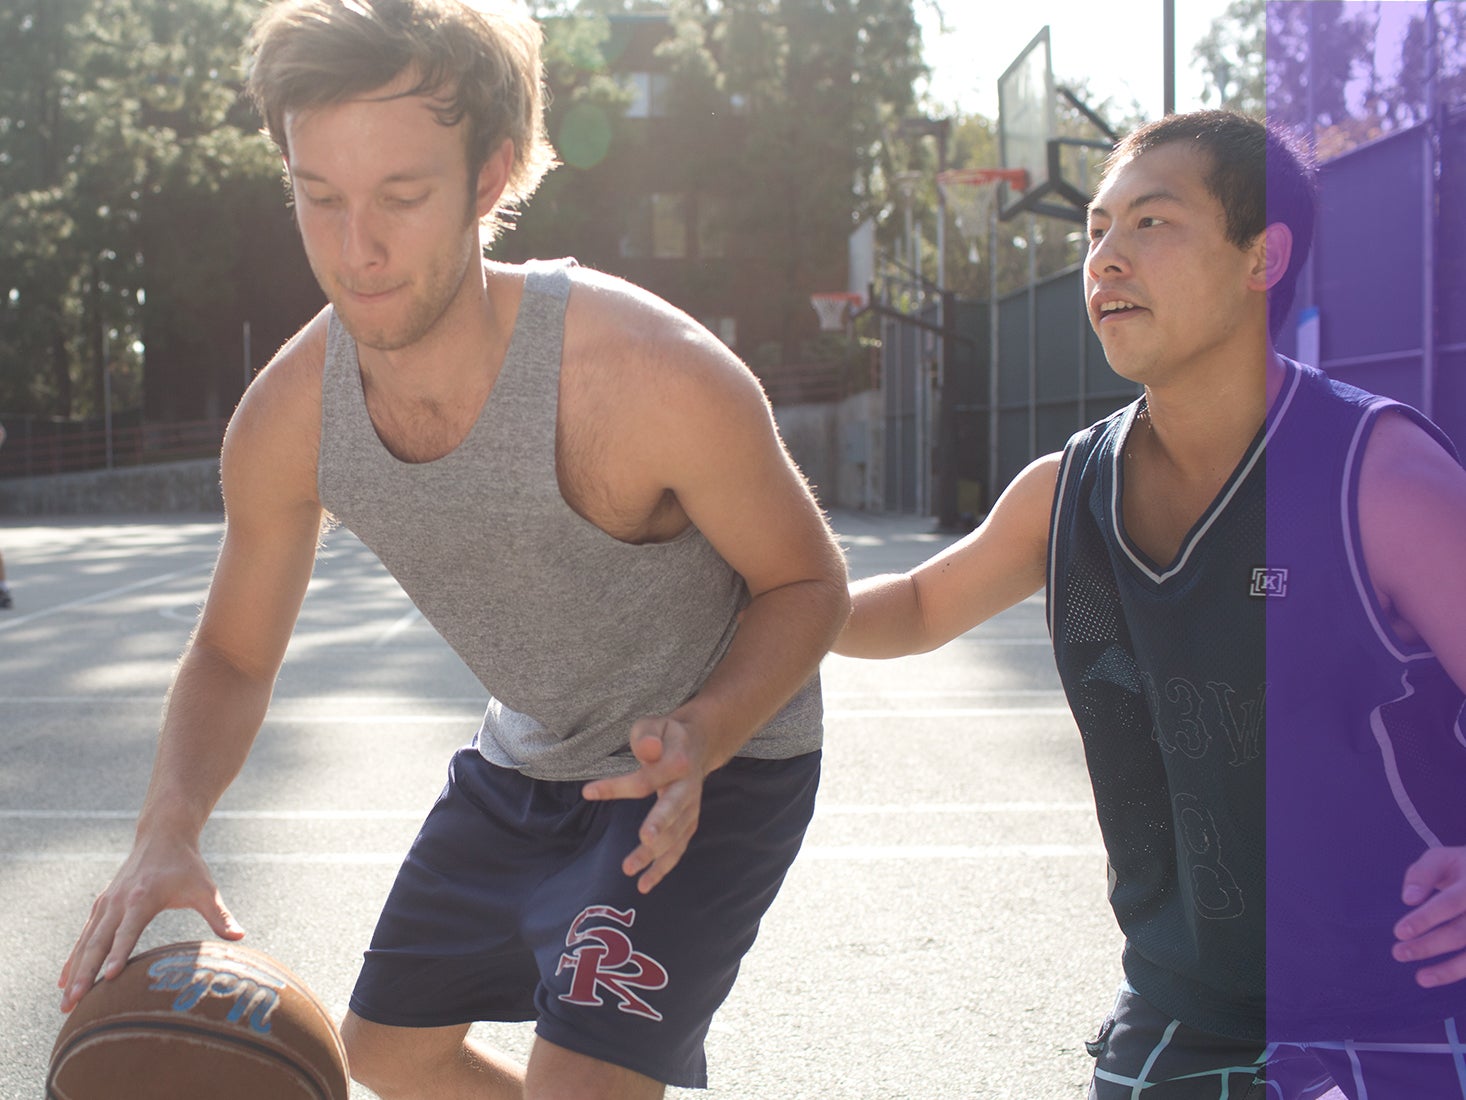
{"points": [[835, 308], [972, 196]]}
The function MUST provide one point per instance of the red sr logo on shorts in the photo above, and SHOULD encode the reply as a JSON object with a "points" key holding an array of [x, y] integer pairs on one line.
{"points": [[602, 957]]}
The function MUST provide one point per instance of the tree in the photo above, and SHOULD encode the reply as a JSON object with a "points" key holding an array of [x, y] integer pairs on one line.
{"points": [[773, 119], [1320, 57], [1330, 74], [115, 115], [1233, 58], [821, 83]]}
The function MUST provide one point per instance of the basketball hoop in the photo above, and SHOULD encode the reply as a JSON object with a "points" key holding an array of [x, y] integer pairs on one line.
{"points": [[835, 307], [971, 194]]}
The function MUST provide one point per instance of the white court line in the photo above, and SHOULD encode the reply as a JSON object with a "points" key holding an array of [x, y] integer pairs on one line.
{"points": [[223, 815], [897, 809], [948, 712], [830, 715], [924, 809], [957, 693], [1044, 640], [407, 620], [848, 853], [979, 639], [369, 719], [325, 700], [863, 853], [281, 705], [98, 597]]}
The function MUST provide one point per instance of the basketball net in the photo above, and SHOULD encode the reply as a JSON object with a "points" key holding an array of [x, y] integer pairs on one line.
{"points": [[835, 308], [971, 193]]}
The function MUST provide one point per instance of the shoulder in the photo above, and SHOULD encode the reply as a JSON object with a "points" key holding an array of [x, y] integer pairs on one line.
{"points": [[619, 319], [1411, 514], [1088, 446], [622, 333], [1100, 432], [1039, 479], [273, 439], [1407, 463]]}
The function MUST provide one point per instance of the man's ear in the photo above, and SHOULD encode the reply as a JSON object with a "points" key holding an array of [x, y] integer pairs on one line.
{"points": [[1272, 250], [493, 177]]}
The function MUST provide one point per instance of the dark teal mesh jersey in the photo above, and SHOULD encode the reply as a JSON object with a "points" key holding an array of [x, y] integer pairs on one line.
{"points": [[1164, 669], [1267, 757], [1366, 758]]}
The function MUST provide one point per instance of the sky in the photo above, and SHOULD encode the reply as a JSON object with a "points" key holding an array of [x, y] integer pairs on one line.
{"points": [[1116, 44]]}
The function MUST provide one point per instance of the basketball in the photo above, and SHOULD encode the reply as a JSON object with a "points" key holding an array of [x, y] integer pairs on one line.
{"points": [[194, 1020]]}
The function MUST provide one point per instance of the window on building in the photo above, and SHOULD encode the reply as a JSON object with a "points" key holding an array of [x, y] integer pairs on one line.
{"points": [[669, 226], [712, 227], [724, 328], [650, 94], [657, 228]]}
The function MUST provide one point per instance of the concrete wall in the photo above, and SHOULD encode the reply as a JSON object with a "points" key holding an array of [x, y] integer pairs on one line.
{"points": [[166, 487], [839, 448]]}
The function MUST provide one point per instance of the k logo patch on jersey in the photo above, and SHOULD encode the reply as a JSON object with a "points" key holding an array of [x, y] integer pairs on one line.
{"points": [[1269, 583], [600, 954]]}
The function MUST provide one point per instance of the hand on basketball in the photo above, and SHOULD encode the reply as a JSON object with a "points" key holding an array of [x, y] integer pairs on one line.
{"points": [[1435, 885], [672, 767], [157, 876]]}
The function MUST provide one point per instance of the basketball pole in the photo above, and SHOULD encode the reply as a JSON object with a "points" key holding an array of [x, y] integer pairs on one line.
{"points": [[1168, 31]]}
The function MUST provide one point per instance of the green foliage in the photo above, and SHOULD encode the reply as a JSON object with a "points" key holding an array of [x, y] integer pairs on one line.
{"points": [[1345, 73], [1233, 58], [773, 114], [108, 108]]}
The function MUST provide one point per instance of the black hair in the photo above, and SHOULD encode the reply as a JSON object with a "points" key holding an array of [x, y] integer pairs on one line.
{"points": [[1261, 174]]}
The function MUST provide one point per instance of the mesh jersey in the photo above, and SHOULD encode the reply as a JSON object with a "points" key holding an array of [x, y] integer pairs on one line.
{"points": [[1252, 681], [1363, 771], [1163, 668]]}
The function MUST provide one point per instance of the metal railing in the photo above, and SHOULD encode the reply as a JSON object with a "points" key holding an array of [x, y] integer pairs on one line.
{"points": [[38, 448]]}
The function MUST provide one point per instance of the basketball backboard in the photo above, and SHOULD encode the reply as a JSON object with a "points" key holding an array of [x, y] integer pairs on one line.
{"points": [[1029, 137], [1027, 121]]}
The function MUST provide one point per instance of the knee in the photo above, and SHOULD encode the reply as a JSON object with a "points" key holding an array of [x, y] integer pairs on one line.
{"points": [[379, 1059]]}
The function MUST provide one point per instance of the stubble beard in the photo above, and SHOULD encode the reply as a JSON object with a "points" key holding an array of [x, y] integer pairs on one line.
{"points": [[424, 308]]}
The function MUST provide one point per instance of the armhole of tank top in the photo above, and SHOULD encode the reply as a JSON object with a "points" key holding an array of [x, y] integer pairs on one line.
{"points": [[1061, 490], [1348, 505]]}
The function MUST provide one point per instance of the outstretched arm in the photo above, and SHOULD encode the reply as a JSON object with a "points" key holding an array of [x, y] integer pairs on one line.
{"points": [[999, 564], [1412, 515], [223, 683]]}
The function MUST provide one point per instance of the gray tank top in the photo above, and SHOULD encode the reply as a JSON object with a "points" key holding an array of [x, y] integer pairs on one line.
{"points": [[575, 633]]}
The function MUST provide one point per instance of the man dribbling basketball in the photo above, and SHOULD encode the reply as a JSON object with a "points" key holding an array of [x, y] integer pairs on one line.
{"points": [[586, 495]]}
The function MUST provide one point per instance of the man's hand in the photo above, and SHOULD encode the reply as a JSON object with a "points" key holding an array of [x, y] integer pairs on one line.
{"points": [[673, 766], [1435, 885], [156, 876]]}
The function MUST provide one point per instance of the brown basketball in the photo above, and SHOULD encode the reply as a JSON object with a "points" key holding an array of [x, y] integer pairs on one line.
{"points": [[199, 1020]]}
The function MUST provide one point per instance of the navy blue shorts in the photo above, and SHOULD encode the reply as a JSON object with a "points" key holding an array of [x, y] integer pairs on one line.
{"points": [[512, 905]]}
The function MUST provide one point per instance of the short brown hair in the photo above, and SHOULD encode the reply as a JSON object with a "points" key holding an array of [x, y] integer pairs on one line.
{"points": [[478, 59], [1259, 173]]}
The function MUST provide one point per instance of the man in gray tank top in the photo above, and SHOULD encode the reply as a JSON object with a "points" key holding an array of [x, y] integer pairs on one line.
{"points": [[585, 493]]}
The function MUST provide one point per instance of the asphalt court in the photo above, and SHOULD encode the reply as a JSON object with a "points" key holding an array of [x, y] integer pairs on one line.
{"points": [[943, 934]]}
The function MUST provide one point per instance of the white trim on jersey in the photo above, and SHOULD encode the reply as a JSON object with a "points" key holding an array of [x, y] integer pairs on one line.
{"points": [[1218, 506], [1392, 769]]}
